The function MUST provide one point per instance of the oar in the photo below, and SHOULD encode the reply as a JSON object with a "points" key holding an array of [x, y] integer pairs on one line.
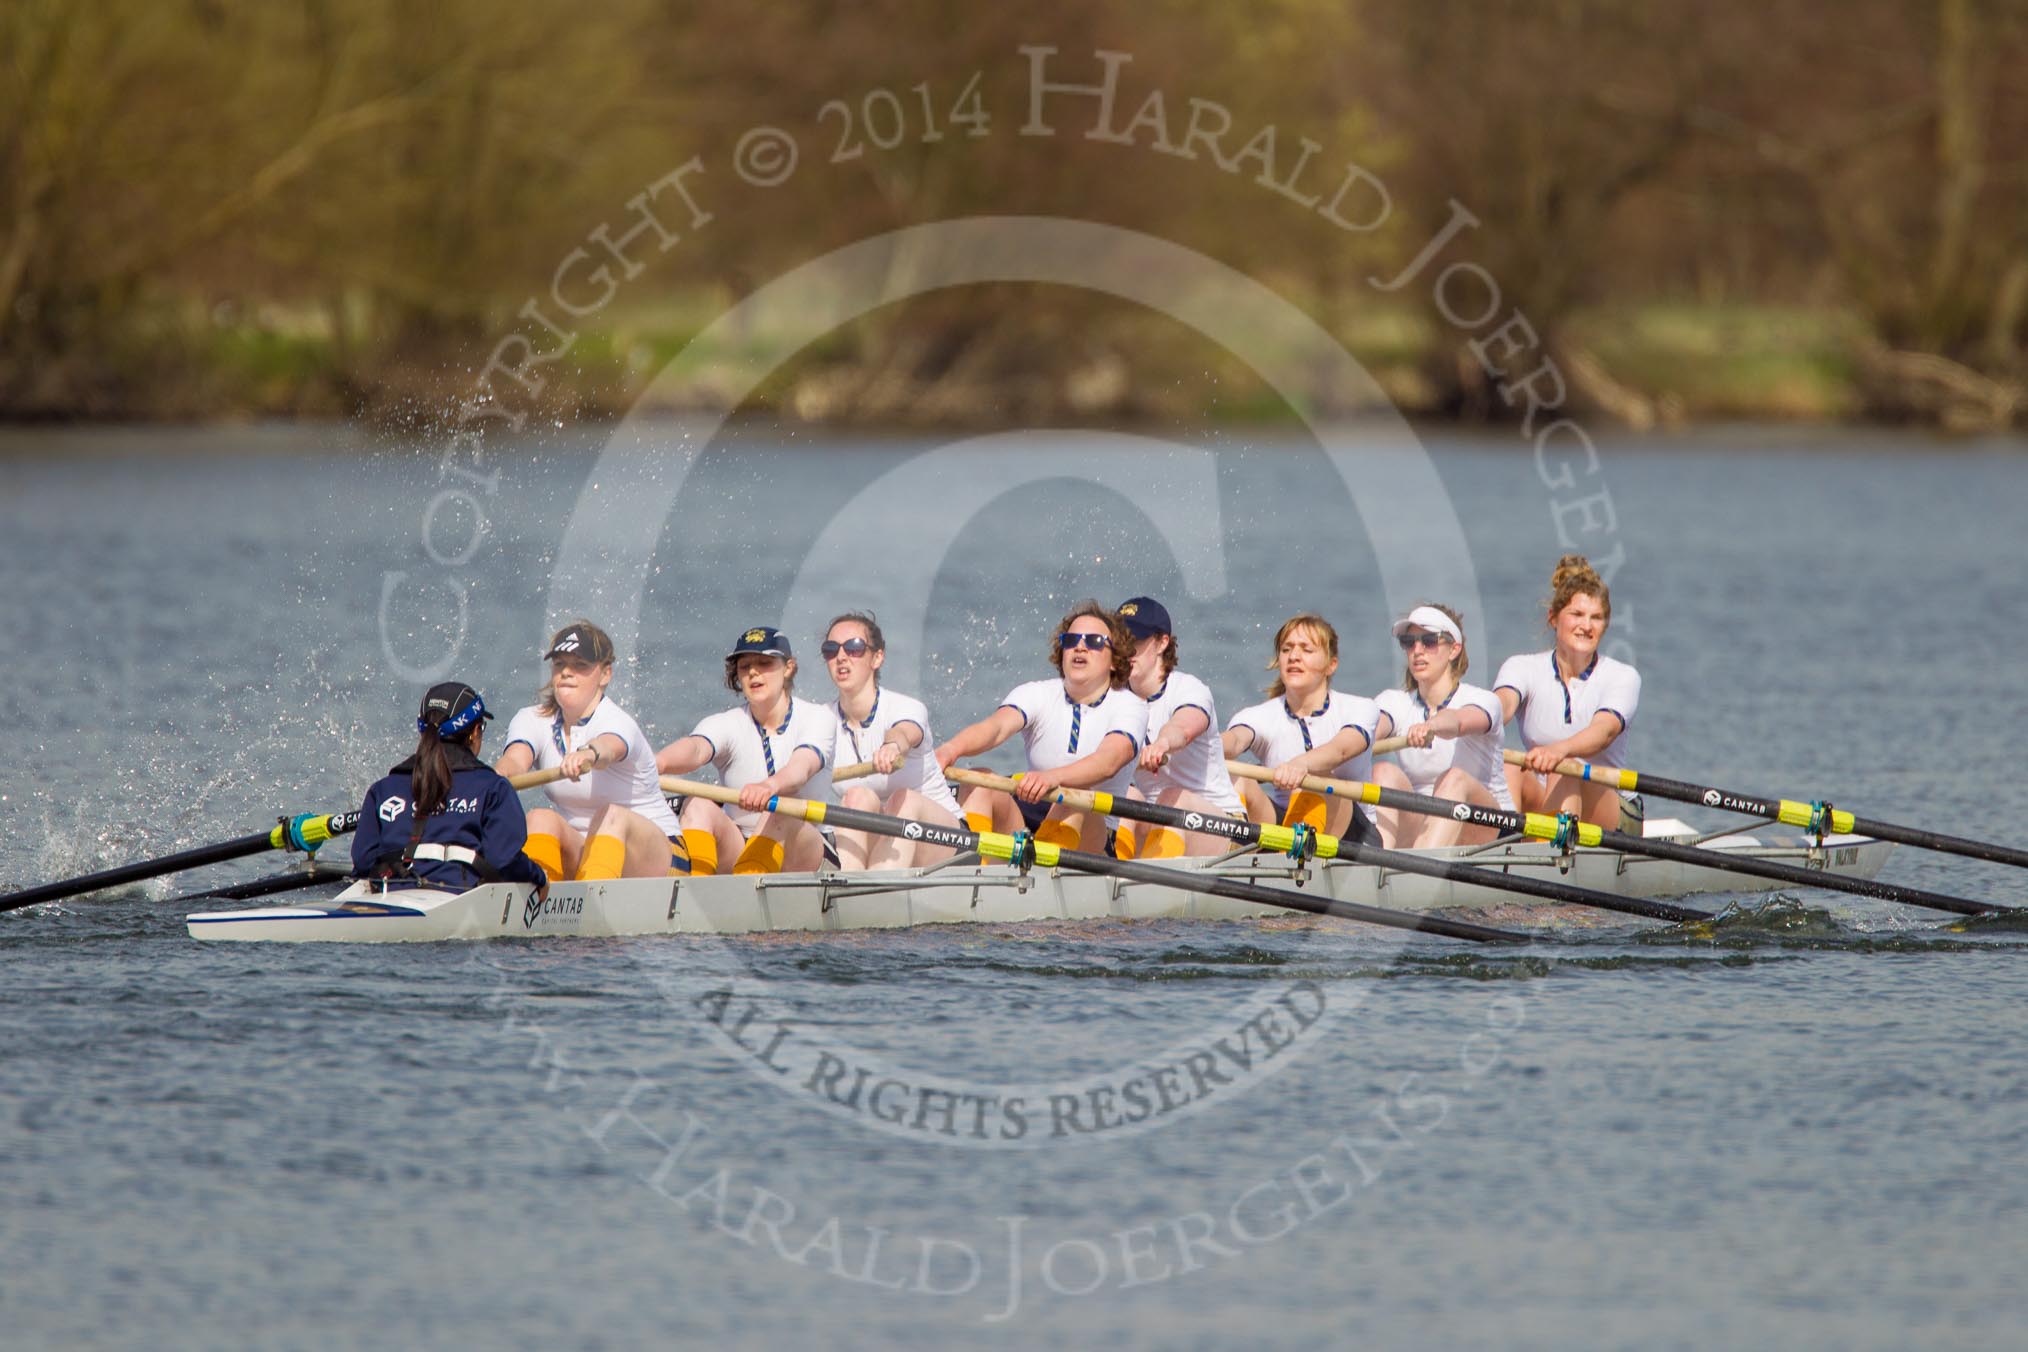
{"points": [[1281, 839], [310, 832], [1540, 827], [314, 831], [850, 772], [294, 880], [1787, 811], [993, 845]]}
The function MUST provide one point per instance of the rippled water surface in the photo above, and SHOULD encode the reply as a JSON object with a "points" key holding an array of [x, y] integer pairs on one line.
{"points": [[1793, 1126]]}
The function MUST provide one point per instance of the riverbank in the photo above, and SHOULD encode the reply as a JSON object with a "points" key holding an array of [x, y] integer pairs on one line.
{"points": [[1654, 366]]}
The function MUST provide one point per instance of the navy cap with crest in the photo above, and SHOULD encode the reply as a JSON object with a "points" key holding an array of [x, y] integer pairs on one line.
{"points": [[762, 639], [451, 707], [1144, 616]]}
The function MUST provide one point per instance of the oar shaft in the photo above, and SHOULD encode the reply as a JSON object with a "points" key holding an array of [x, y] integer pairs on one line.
{"points": [[317, 830], [1245, 832], [1542, 827], [1786, 810], [993, 845], [136, 872]]}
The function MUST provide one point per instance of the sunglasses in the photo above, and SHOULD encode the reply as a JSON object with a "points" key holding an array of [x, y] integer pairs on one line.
{"points": [[1409, 642], [1095, 642], [851, 647]]}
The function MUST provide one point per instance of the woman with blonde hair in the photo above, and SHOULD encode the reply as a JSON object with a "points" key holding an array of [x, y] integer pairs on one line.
{"points": [[1305, 728], [1452, 730], [1573, 702], [607, 817]]}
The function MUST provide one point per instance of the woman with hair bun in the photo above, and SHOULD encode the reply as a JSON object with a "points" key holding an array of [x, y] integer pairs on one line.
{"points": [[1573, 703], [441, 818]]}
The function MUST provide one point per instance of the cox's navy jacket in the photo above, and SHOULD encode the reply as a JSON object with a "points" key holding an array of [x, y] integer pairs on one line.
{"points": [[481, 814]]}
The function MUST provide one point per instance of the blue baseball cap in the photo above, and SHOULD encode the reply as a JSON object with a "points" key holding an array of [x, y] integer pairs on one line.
{"points": [[762, 639], [1144, 616]]}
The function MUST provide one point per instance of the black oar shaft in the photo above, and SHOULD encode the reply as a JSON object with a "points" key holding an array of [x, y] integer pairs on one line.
{"points": [[1188, 880], [1542, 827], [1246, 832], [1771, 869], [1198, 880], [130, 873], [992, 845], [1809, 816], [315, 829], [1785, 810]]}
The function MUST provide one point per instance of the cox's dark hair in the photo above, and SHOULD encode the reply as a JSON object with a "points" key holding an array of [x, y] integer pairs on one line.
{"points": [[1122, 649], [432, 768]]}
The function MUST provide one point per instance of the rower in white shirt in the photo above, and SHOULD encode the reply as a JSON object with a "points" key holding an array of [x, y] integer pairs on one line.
{"points": [[607, 817], [892, 730], [772, 744], [1306, 728], [1573, 703], [1183, 763], [1082, 731], [1452, 730]]}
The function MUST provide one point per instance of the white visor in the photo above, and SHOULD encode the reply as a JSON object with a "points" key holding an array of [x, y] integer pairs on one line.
{"points": [[1430, 618]]}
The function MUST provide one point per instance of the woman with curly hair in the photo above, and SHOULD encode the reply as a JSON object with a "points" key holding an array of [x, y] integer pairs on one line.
{"points": [[1081, 730]]}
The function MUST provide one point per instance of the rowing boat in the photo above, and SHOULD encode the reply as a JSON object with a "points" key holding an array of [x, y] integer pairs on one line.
{"points": [[965, 891]]}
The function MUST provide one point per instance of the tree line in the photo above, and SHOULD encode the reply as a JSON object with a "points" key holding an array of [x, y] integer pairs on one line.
{"points": [[339, 201]]}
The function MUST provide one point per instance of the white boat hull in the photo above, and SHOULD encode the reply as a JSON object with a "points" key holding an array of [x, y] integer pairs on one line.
{"points": [[976, 894]]}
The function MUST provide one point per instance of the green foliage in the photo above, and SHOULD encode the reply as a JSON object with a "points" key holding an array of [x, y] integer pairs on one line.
{"points": [[371, 188]]}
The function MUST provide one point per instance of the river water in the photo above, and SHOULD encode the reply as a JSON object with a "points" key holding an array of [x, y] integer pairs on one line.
{"points": [[1796, 1126]]}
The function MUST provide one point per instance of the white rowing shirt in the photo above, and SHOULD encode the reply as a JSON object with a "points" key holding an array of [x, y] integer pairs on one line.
{"points": [[1200, 766], [1478, 754], [744, 751], [1058, 730], [918, 770], [1553, 709], [1280, 735], [630, 782]]}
